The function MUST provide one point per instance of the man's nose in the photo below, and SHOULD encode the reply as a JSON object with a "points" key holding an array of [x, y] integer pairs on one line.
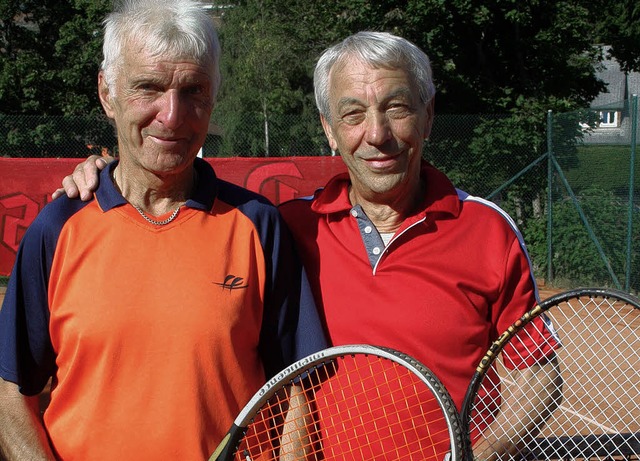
{"points": [[378, 128], [171, 109]]}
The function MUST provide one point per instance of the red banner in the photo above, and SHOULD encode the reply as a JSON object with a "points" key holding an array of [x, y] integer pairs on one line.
{"points": [[26, 186]]}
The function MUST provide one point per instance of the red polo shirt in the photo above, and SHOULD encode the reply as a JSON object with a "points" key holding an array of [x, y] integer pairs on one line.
{"points": [[454, 276]]}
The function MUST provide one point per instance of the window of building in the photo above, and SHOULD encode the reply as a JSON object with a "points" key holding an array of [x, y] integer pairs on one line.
{"points": [[609, 119]]}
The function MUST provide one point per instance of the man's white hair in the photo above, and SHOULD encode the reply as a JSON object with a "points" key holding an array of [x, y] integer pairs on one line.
{"points": [[377, 49], [174, 28]]}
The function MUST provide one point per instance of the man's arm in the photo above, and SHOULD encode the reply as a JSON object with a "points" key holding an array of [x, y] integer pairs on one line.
{"points": [[22, 437], [84, 179], [540, 386], [298, 430]]}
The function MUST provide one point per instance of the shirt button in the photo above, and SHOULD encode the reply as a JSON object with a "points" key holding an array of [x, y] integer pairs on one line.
{"points": [[354, 213], [367, 230], [376, 251]]}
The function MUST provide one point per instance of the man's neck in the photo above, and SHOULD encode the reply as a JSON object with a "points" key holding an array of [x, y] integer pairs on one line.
{"points": [[152, 193], [388, 213]]}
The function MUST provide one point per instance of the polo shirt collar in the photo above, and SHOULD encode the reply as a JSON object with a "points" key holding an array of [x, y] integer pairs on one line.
{"points": [[441, 196], [202, 198]]}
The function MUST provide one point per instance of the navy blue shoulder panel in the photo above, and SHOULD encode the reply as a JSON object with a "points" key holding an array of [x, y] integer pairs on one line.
{"points": [[291, 327], [26, 354]]}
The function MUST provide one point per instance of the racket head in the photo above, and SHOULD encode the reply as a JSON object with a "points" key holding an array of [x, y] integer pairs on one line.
{"points": [[595, 339], [360, 402]]}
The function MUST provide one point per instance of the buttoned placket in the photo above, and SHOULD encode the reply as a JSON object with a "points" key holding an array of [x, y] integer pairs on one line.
{"points": [[370, 236], [373, 243]]}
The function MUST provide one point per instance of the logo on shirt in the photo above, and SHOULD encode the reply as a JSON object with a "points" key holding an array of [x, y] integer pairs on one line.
{"points": [[232, 282]]}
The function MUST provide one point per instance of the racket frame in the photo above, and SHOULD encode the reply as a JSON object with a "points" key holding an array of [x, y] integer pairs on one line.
{"points": [[229, 444]]}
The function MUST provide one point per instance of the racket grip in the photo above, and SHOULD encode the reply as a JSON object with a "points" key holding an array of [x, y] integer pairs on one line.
{"points": [[226, 448]]}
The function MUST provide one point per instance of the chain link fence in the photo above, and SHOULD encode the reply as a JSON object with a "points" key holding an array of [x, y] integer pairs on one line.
{"points": [[25, 136], [592, 221], [572, 191]]}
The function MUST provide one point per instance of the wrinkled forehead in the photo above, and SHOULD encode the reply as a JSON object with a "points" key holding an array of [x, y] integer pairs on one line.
{"points": [[155, 47], [353, 72]]}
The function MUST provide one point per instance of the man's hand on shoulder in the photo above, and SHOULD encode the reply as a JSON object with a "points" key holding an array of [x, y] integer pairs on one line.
{"points": [[84, 179]]}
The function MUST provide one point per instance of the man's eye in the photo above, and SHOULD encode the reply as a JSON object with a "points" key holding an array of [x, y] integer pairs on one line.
{"points": [[148, 87], [398, 110], [196, 89], [353, 118]]}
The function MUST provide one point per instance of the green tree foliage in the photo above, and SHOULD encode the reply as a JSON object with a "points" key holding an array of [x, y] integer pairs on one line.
{"points": [[268, 51], [49, 58], [620, 28]]}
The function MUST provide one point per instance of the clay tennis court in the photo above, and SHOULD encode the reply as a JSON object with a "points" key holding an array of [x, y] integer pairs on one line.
{"points": [[599, 358], [601, 371]]}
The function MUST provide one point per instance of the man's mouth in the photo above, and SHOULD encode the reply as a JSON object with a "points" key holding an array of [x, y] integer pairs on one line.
{"points": [[166, 141], [382, 162]]}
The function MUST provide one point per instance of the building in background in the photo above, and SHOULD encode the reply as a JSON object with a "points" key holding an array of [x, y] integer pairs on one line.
{"points": [[613, 106]]}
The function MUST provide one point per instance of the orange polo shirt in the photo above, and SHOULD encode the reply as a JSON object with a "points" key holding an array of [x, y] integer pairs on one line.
{"points": [[155, 336]]}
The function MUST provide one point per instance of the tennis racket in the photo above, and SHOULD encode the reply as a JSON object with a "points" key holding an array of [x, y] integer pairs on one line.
{"points": [[355, 402], [563, 382]]}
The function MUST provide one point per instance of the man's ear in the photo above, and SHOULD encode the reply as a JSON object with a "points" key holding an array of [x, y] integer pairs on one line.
{"points": [[428, 122], [105, 95], [328, 131]]}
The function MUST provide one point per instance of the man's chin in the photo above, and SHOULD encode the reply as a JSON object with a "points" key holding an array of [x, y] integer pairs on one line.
{"points": [[168, 162]]}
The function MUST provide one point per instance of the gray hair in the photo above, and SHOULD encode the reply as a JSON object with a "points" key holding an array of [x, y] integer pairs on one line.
{"points": [[176, 28], [378, 49]]}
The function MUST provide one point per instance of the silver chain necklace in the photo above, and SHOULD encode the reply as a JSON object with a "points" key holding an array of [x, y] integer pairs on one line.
{"points": [[158, 223]]}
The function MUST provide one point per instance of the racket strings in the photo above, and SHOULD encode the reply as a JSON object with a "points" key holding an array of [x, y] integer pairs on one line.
{"points": [[350, 441], [355, 408], [599, 360]]}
